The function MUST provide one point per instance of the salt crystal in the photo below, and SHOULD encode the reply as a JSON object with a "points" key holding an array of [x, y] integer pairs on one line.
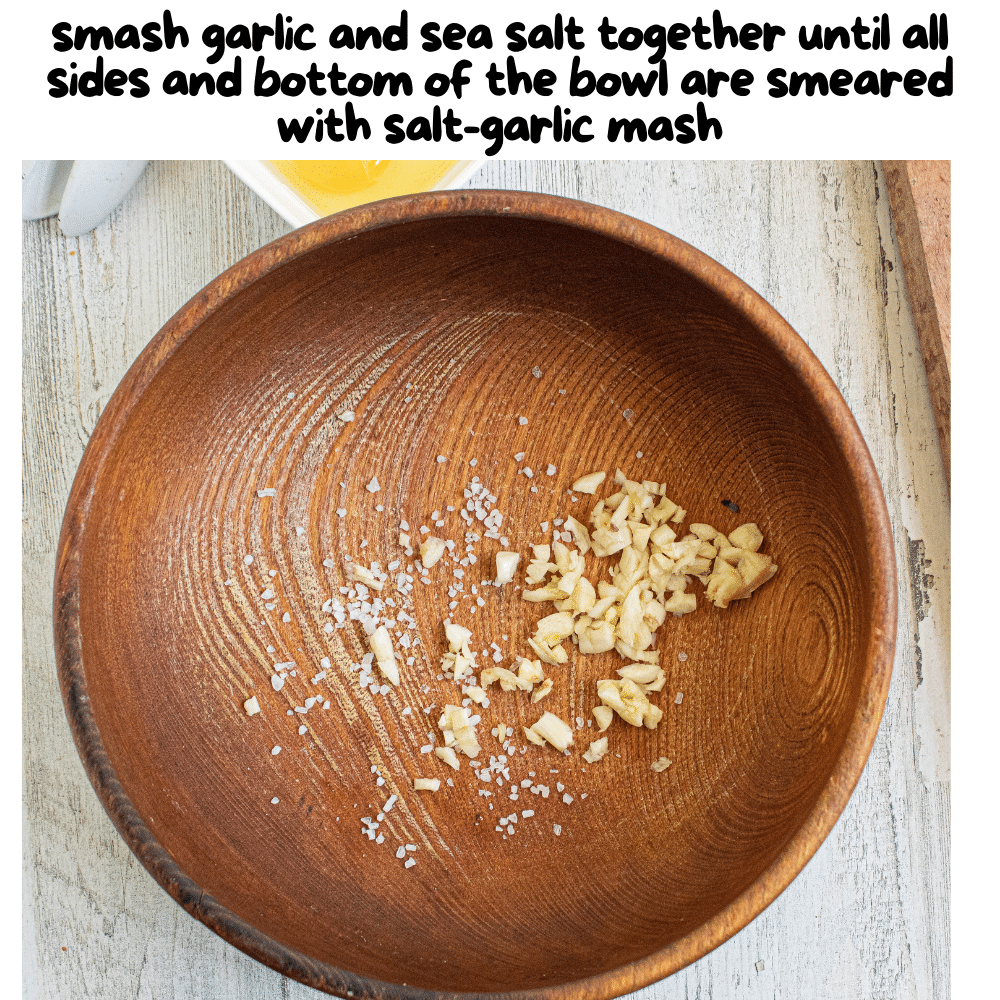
{"points": [[267, 493], [522, 420], [373, 486], [302, 730], [347, 416], [277, 683], [409, 863], [550, 470], [441, 458], [341, 512], [275, 800], [679, 698], [275, 751], [248, 559], [286, 617], [556, 829]]}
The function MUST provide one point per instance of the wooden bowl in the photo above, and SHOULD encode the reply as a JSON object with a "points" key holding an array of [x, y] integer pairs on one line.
{"points": [[441, 320]]}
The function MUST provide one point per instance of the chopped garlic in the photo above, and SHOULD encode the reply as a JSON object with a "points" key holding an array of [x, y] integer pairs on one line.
{"points": [[589, 483], [431, 550], [551, 729], [426, 784], [541, 691], [365, 576], [380, 643], [660, 765], [506, 564], [448, 755], [251, 705], [604, 714]]}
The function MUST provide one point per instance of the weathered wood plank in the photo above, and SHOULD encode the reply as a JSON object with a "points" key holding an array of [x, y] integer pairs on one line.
{"points": [[869, 915]]}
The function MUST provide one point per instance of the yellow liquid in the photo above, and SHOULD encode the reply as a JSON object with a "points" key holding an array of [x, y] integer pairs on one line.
{"points": [[329, 186]]}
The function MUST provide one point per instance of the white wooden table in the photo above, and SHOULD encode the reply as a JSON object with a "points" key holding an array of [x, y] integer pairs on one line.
{"points": [[867, 918]]}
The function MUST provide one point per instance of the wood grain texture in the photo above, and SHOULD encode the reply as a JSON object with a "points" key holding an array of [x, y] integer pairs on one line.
{"points": [[868, 916], [429, 318], [920, 196]]}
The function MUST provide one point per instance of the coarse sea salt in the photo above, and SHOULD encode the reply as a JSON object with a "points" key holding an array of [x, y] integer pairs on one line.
{"points": [[269, 492]]}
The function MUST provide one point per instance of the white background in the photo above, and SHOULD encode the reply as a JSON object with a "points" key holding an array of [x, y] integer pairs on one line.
{"points": [[756, 125]]}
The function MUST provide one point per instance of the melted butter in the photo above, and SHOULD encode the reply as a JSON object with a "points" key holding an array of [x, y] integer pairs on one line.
{"points": [[332, 185]]}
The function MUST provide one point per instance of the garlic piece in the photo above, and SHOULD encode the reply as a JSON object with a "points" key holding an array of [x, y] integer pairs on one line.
{"points": [[553, 730], [251, 706], [604, 714], [458, 722], [426, 784], [431, 550], [589, 483], [541, 691], [448, 755], [365, 576], [509, 681], [597, 750], [380, 644], [506, 563], [747, 536]]}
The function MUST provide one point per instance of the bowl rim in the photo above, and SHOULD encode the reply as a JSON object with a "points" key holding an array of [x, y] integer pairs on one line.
{"points": [[600, 221]]}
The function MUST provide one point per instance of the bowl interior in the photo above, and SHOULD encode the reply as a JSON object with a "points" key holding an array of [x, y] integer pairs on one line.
{"points": [[440, 333]]}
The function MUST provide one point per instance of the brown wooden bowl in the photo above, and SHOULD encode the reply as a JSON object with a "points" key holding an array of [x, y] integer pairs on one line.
{"points": [[441, 319]]}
